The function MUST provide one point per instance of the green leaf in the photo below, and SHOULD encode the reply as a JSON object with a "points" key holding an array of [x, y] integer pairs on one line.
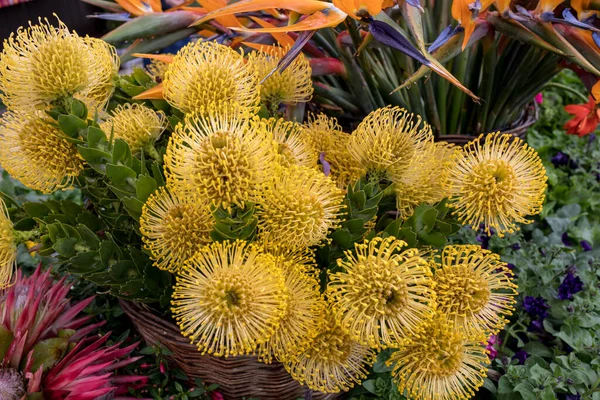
{"points": [[144, 187], [71, 125], [36, 210], [6, 338], [121, 153], [121, 176], [48, 352], [538, 349], [343, 238], [65, 247], [89, 237], [370, 386]]}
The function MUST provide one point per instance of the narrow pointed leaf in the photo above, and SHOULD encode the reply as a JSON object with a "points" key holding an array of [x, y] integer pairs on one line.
{"points": [[121, 17], [156, 43], [107, 5], [412, 17], [151, 25]]}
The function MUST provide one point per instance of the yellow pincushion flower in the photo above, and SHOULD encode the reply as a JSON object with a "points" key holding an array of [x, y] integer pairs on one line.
{"points": [[330, 141], [387, 143], [8, 248], [294, 147], [228, 299], [158, 68], [303, 315], [334, 362], [498, 181], [441, 363], [36, 153], [298, 207], [136, 124], [290, 86], [220, 157], [43, 64], [383, 294], [206, 73], [427, 174], [174, 228], [474, 288]]}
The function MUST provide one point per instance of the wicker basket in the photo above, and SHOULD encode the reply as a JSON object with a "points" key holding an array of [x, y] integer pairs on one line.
{"points": [[238, 377], [519, 128]]}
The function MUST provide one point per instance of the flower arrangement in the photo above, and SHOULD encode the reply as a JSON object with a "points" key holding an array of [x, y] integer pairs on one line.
{"points": [[260, 235]]}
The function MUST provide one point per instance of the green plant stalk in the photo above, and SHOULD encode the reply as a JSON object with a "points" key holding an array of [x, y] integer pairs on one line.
{"points": [[566, 88], [457, 97], [487, 84], [472, 80]]}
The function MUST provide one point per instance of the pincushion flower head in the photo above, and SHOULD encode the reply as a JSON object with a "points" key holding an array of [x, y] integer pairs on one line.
{"points": [[229, 299], [174, 227], [383, 294], [334, 362], [440, 363], [42, 64], [206, 73], [220, 156], [474, 288], [37, 153], [291, 86], [294, 147], [387, 141], [497, 181], [8, 248], [137, 125], [298, 208]]}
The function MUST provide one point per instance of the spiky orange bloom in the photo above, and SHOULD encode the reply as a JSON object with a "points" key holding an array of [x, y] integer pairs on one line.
{"points": [[174, 228], [383, 293], [35, 152], [334, 362], [474, 288], [387, 142], [291, 86], [228, 299], [298, 208], [220, 157], [8, 248], [136, 124], [498, 181], [294, 146], [206, 73], [440, 363], [330, 141], [43, 64]]}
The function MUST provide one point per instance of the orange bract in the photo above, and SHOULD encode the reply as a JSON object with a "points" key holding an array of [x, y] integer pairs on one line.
{"points": [[140, 7]]}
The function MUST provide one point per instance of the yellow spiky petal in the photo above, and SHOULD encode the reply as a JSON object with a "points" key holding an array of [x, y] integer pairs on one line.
{"points": [[298, 208], [42, 64], [290, 86], [334, 362], [383, 294], [206, 73], [136, 124], [158, 68], [440, 363], [174, 228], [36, 153], [220, 157], [8, 248], [498, 181], [228, 300], [293, 146], [474, 288], [388, 141], [329, 139]]}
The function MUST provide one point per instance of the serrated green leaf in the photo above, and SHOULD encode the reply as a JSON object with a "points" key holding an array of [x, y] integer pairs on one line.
{"points": [[65, 247], [48, 352]]}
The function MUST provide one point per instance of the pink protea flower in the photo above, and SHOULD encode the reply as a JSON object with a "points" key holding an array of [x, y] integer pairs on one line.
{"points": [[47, 347]]}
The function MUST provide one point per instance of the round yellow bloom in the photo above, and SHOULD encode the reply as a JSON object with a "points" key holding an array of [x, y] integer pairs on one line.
{"points": [[157, 68], [228, 300], [426, 173], [174, 228], [330, 141], [291, 86], [383, 294], [220, 157], [498, 181], [302, 319], [207, 73], [298, 207], [334, 362], [43, 64], [474, 288], [36, 153], [441, 363], [8, 248], [136, 124], [293, 146], [387, 143]]}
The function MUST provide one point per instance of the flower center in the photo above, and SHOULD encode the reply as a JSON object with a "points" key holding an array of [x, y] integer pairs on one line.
{"points": [[461, 291]]}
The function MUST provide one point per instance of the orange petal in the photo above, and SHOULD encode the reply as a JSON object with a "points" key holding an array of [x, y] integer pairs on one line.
{"points": [[137, 7], [216, 5], [547, 6], [327, 19], [282, 38], [160, 57], [155, 93], [355, 7], [596, 92]]}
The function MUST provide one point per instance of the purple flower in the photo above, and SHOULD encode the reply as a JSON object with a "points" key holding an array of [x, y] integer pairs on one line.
{"points": [[573, 397], [570, 285], [565, 239], [536, 326], [516, 246], [493, 352], [539, 98], [510, 266], [560, 159], [483, 238], [591, 138], [586, 245], [521, 356], [535, 306]]}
